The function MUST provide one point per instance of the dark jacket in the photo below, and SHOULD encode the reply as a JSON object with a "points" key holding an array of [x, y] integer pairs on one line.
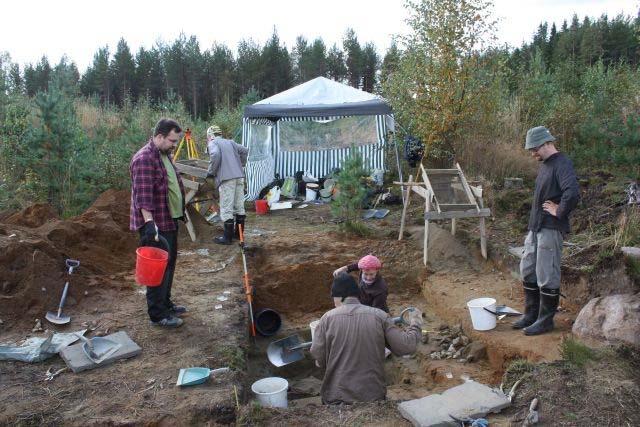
{"points": [[557, 182], [373, 295]]}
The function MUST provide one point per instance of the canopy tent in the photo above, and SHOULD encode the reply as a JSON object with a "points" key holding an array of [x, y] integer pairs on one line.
{"points": [[313, 127]]}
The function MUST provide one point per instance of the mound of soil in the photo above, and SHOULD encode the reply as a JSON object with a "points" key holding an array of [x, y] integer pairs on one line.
{"points": [[33, 216], [34, 245]]}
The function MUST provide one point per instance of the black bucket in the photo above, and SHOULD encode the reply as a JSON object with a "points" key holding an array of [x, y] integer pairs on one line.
{"points": [[268, 322]]}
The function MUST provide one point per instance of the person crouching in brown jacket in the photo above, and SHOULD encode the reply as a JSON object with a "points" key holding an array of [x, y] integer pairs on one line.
{"points": [[349, 344]]}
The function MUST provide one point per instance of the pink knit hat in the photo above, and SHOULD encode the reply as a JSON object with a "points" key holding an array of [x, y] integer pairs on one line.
{"points": [[369, 262]]}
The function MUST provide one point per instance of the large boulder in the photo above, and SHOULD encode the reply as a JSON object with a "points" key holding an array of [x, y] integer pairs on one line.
{"points": [[611, 318]]}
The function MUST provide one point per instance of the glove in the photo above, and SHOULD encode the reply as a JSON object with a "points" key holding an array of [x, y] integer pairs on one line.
{"points": [[340, 270], [150, 231], [210, 180], [414, 317]]}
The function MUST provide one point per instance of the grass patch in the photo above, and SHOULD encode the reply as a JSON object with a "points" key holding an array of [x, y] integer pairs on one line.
{"points": [[252, 414], [576, 353], [517, 369], [233, 357], [357, 228]]}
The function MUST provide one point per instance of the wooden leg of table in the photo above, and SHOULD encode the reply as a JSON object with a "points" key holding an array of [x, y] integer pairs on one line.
{"points": [[427, 208], [483, 238], [404, 208], [189, 225]]}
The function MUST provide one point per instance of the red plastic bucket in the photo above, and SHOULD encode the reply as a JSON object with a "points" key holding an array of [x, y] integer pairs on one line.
{"points": [[150, 265], [261, 207]]}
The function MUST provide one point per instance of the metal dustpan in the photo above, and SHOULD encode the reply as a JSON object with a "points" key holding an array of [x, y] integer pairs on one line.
{"points": [[195, 376], [287, 350], [97, 349], [375, 213]]}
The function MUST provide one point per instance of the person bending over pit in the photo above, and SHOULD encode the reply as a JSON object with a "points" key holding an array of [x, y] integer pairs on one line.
{"points": [[349, 344], [373, 288]]}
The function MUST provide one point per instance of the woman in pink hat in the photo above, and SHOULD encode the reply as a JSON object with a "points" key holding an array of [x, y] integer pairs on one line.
{"points": [[373, 288]]}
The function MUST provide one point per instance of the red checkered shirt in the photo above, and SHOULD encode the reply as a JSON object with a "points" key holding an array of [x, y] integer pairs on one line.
{"points": [[150, 189]]}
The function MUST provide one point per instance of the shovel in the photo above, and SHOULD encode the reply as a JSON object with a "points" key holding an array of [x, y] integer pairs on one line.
{"points": [[98, 349], [402, 319], [194, 376], [287, 350], [58, 318]]}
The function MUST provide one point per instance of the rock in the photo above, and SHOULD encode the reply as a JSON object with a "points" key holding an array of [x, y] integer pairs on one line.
{"points": [[610, 318], [451, 349], [631, 252], [307, 386], [465, 340], [456, 342], [475, 351]]}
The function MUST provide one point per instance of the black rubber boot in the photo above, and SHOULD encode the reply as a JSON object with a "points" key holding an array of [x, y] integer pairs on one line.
{"points": [[227, 237], [531, 306], [549, 299], [239, 221]]}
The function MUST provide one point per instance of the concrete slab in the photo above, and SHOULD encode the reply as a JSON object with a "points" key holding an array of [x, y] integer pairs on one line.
{"points": [[470, 399], [77, 361]]}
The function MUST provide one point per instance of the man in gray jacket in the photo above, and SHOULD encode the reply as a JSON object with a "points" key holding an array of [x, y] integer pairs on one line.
{"points": [[226, 163], [349, 343], [555, 196]]}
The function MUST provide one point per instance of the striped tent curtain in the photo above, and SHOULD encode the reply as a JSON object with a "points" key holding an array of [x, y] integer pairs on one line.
{"points": [[261, 171]]}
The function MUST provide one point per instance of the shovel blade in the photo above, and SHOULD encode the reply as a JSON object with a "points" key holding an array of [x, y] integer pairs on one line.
{"points": [[57, 320], [102, 348], [279, 352]]}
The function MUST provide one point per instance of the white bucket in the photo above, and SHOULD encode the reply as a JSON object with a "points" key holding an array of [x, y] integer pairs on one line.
{"points": [[481, 319], [271, 392], [312, 192], [313, 325]]}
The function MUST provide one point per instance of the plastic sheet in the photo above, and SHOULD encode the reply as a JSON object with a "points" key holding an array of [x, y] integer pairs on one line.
{"points": [[36, 349]]}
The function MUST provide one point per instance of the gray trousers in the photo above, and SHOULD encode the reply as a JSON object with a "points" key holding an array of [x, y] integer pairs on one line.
{"points": [[231, 198], [541, 261]]}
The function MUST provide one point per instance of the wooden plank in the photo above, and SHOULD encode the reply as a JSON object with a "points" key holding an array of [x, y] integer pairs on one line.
{"points": [[432, 193], [442, 171], [414, 183], [466, 187], [423, 192], [448, 207], [190, 184], [404, 210], [477, 191], [192, 170], [482, 213], [427, 208]]}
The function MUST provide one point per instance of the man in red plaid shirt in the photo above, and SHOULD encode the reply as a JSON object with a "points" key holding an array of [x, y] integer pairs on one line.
{"points": [[157, 202]]}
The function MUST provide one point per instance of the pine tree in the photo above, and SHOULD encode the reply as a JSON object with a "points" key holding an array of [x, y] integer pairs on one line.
{"points": [[351, 192]]}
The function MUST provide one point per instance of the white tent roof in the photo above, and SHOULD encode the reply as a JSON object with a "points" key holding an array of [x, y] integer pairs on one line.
{"points": [[319, 97], [319, 91]]}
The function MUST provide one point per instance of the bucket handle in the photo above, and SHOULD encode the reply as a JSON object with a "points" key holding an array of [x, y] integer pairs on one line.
{"points": [[492, 312]]}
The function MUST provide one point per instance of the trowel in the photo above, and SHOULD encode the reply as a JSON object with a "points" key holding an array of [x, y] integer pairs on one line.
{"points": [[287, 350], [97, 349]]}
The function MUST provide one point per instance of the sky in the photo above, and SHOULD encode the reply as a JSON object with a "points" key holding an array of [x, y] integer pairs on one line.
{"points": [[78, 28]]}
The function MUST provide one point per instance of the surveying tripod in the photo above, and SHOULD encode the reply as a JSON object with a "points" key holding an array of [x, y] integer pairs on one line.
{"points": [[191, 146]]}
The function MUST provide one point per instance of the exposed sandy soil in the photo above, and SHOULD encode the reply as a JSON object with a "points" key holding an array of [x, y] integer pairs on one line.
{"points": [[291, 258]]}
